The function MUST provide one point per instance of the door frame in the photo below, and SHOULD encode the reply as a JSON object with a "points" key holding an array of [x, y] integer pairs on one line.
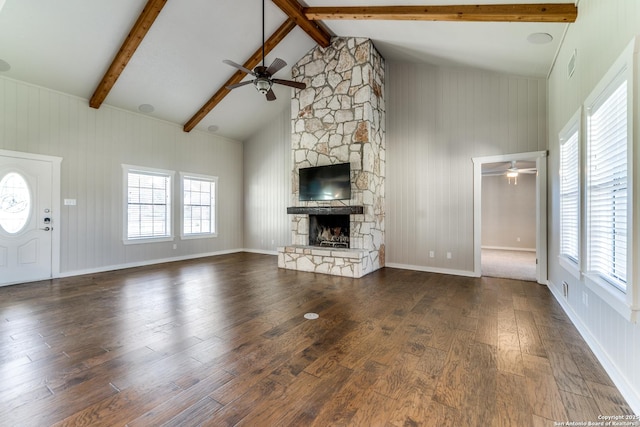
{"points": [[540, 157], [56, 218]]}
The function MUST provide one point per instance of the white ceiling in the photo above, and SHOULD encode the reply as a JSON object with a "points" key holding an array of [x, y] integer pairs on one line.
{"points": [[67, 45]]}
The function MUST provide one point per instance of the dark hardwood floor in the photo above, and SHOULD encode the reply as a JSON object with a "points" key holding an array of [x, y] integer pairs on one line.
{"points": [[223, 341]]}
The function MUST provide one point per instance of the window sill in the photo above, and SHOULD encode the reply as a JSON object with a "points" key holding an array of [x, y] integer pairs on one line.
{"points": [[198, 236], [615, 298], [570, 266], [147, 240]]}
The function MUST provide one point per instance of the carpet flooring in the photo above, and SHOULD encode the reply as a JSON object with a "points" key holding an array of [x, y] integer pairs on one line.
{"points": [[519, 265]]}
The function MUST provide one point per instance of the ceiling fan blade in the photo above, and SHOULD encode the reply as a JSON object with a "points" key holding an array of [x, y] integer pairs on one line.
{"points": [[291, 83], [493, 173], [238, 66], [239, 84], [271, 96], [277, 65]]}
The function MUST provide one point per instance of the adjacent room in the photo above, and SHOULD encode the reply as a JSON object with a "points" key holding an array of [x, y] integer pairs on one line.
{"points": [[287, 213]]}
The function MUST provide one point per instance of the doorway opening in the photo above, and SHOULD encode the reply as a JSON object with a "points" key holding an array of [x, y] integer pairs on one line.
{"points": [[510, 216]]}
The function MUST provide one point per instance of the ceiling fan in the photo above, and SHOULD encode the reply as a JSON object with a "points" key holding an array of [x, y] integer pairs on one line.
{"points": [[263, 74], [512, 171]]}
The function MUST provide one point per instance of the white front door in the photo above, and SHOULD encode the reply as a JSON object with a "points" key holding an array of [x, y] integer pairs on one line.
{"points": [[26, 220]]}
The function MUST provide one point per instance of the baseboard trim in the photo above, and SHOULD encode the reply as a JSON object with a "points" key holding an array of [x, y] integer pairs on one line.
{"points": [[506, 248], [106, 268], [260, 251], [432, 269], [631, 395]]}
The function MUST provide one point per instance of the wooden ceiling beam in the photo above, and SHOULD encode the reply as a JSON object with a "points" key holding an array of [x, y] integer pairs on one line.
{"points": [[136, 35], [548, 12], [237, 77], [295, 11]]}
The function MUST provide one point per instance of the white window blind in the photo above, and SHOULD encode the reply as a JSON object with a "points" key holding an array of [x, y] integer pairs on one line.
{"points": [[570, 196], [148, 205], [199, 195], [607, 186]]}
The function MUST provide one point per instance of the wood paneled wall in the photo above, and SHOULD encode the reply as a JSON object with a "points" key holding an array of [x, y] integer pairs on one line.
{"points": [[598, 38], [93, 145], [267, 186], [438, 119]]}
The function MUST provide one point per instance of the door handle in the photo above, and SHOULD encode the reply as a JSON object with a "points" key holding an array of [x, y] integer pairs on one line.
{"points": [[46, 229]]}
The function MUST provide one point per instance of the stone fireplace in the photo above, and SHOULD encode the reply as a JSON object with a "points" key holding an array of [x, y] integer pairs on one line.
{"points": [[339, 118]]}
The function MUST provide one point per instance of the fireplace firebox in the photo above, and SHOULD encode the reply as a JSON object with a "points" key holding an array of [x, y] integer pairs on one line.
{"points": [[329, 231]]}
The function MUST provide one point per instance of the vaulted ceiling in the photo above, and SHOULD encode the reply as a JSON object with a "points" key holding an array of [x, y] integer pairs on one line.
{"points": [[168, 54]]}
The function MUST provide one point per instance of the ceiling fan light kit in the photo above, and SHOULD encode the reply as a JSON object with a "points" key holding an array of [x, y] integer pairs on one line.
{"points": [[263, 75]]}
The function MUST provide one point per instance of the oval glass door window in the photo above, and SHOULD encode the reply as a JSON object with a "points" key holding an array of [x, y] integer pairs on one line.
{"points": [[15, 203]]}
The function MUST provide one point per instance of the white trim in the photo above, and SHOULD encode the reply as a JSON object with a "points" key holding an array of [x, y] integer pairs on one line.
{"points": [[108, 268], [126, 169], [464, 273], [570, 265], [627, 65], [260, 251], [507, 248], [631, 395], [540, 158], [208, 178], [56, 217]]}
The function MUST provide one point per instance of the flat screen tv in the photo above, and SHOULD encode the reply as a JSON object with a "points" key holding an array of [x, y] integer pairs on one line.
{"points": [[332, 182]]}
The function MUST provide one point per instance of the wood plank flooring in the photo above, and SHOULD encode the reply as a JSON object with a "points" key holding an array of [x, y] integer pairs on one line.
{"points": [[222, 341]]}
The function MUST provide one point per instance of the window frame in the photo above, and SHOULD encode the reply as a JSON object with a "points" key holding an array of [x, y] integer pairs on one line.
{"points": [[168, 236], [214, 211], [624, 68], [573, 127]]}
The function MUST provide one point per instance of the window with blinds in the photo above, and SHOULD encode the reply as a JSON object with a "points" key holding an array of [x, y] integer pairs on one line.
{"points": [[148, 205], [570, 193], [606, 185], [199, 205]]}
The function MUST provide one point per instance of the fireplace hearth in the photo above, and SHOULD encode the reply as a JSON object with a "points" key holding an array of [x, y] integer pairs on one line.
{"points": [[329, 231]]}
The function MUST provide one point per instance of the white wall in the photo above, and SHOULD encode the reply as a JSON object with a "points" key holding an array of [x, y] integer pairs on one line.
{"points": [[438, 119], [267, 186], [602, 31], [93, 144], [509, 212]]}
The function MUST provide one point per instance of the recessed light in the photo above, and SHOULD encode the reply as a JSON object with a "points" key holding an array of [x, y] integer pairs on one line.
{"points": [[4, 65], [213, 128], [146, 108], [540, 38]]}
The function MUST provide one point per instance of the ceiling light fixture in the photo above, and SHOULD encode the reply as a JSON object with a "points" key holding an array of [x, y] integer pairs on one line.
{"points": [[4, 65], [540, 38], [213, 128], [146, 108], [262, 84]]}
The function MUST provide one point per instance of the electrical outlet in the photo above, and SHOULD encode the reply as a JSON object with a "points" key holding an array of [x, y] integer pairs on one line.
{"points": [[518, 239], [432, 254], [448, 255], [585, 299], [175, 246]]}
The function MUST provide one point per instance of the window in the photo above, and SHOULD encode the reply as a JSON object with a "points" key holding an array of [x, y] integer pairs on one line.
{"points": [[606, 184], [570, 191], [198, 205], [15, 203], [148, 202]]}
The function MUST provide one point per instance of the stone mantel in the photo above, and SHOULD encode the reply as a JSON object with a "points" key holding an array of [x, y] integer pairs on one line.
{"points": [[326, 210]]}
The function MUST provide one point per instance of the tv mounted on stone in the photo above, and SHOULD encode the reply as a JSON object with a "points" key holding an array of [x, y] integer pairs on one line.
{"points": [[331, 182]]}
